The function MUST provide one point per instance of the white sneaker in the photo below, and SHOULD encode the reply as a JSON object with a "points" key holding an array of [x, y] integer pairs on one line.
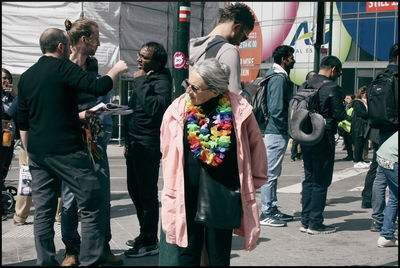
{"points": [[383, 242], [361, 165]]}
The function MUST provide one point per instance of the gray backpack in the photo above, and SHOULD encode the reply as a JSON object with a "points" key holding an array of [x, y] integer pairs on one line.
{"points": [[306, 125]]}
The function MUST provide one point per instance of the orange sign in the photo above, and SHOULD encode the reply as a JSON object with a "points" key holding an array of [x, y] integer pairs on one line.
{"points": [[250, 55], [381, 6]]}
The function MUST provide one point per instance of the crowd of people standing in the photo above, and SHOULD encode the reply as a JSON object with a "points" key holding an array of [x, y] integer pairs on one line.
{"points": [[208, 141]]}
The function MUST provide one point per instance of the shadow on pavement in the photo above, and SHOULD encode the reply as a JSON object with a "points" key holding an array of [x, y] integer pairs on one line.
{"points": [[353, 225], [119, 196], [393, 263], [345, 199], [122, 210], [238, 242], [340, 213]]}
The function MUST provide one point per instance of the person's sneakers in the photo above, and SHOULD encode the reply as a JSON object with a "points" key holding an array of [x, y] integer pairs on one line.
{"points": [[303, 229], [361, 165], [282, 216], [111, 259], [137, 240], [20, 223], [328, 201], [70, 260], [383, 242], [375, 227], [347, 158], [322, 229], [270, 220], [141, 251]]}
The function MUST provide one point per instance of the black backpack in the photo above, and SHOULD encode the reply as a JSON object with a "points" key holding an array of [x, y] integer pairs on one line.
{"points": [[306, 126], [382, 99], [259, 100]]}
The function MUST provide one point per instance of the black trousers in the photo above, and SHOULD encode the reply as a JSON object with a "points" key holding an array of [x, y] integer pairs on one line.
{"points": [[143, 164], [318, 171], [369, 179], [359, 143], [76, 170], [218, 244], [348, 144]]}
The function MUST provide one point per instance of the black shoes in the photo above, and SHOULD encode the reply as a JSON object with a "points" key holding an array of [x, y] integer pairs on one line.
{"points": [[322, 229], [347, 158], [140, 248]]}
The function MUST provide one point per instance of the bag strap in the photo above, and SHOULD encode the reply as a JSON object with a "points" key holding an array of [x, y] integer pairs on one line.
{"points": [[212, 48]]}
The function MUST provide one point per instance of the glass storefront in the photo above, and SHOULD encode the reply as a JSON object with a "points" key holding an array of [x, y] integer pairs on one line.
{"points": [[363, 33]]}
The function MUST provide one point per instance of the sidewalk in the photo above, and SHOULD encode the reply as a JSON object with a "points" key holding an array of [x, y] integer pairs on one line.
{"points": [[353, 244]]}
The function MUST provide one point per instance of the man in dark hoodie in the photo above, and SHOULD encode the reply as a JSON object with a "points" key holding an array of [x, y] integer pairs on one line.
{"points": [[150, 98]]}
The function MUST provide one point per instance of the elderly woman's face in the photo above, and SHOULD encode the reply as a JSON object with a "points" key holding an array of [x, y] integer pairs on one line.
{"points": [[198, 90]]}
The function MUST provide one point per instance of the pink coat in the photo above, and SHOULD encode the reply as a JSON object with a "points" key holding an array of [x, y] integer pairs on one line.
{"points": [[252, 164]]}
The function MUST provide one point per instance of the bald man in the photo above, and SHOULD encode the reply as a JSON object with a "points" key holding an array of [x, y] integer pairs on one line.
{"points": [[50, 130]]}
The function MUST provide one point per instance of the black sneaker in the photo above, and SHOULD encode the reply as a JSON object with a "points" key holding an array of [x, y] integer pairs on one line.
{"points": [[270, 220], [141, 251], [282, 216], [137, 240], [322, 229]]}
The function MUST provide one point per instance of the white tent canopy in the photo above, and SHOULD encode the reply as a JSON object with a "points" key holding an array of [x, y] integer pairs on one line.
{"points": [[124, 27]]}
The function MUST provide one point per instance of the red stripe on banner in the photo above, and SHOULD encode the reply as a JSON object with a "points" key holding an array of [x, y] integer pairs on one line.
{"points": [[183, 19], [184, 11]]}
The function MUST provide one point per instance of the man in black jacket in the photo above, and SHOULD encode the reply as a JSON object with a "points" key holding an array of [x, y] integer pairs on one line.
{"points": [[319, 158], [150, 98], [51, 132], [378, 202]]}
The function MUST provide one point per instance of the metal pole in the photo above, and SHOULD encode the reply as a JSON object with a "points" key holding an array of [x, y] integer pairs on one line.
{"points": [[180, 50], [82, 14], [202, 18], [319, 40], [330, 28]]}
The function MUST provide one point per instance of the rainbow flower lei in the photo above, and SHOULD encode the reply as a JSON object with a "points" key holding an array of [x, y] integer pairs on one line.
{"points": [[209, 148]]}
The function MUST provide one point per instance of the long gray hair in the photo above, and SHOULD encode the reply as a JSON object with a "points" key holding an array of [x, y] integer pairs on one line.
{"points": [[214, 73]]}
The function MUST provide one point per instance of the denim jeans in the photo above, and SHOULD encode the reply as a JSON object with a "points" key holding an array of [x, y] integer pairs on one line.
{"points": [[69, 211], [378, 198], [276, 146], [389, 220]]}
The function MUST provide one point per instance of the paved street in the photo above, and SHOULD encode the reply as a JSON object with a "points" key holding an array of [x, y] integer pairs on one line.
{"points": [[353, 244]]}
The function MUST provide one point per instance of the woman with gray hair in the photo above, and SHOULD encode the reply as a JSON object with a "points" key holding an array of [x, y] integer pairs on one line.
{"points": [[213, 162]]}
